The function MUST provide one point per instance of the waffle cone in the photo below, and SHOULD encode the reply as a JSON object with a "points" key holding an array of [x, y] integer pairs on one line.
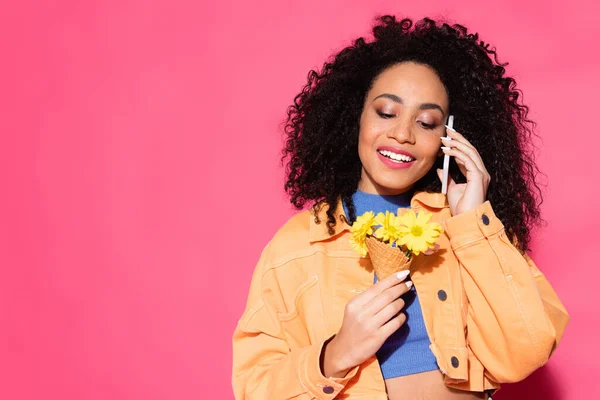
{"points": [[386, 260]]}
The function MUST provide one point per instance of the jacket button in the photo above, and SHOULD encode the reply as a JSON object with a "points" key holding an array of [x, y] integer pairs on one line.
{"points": [[328, 390], [442, 295], [454, 362], [485, 219]]}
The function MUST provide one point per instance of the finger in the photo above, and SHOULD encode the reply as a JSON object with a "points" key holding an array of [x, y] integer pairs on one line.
{"points": [[387, 297], [461, 166], [389, 312], [382, 285], [469, 150], [393, 325], [457, 136], [471, 168]]}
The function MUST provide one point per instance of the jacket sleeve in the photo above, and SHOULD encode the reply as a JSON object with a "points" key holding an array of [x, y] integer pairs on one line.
{"points": [[264, 366], [515, 320]]}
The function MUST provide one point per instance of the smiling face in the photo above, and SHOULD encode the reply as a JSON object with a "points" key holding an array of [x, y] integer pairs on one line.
{"points": [[401, 124]]}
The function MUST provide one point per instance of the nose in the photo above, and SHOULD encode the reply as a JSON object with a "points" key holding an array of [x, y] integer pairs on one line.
{"points": [[402, 132]]}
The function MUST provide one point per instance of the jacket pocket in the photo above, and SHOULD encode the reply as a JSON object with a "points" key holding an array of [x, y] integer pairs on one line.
{"points": [[303, 323]]}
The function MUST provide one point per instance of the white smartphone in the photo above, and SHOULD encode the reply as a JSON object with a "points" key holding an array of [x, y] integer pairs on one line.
{"points": [[446, 161]]}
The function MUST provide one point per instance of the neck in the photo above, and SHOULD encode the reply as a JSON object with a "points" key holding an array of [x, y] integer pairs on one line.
{"points": [[377, 203]]}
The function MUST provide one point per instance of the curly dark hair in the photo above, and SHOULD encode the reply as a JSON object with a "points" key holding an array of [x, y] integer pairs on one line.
{"points": [[322, 126]]}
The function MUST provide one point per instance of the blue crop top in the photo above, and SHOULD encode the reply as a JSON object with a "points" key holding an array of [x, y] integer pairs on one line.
{"points": [[406, 351]]}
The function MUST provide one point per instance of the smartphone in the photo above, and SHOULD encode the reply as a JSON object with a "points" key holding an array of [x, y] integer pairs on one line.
{"points": [[446, 161]]}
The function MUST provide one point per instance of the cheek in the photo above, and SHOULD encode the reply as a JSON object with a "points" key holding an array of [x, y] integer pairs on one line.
{"points": [[369, 132], [431, 147], [367, 137], [364, 145]]}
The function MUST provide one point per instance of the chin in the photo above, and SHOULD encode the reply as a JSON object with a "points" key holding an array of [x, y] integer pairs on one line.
{"points": [[395, 187]]}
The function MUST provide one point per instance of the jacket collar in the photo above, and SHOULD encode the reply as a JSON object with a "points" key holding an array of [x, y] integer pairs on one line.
{"points": [[319, 231]]}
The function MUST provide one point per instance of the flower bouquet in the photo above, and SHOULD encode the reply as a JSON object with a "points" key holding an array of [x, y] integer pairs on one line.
{"points": [[391, 241]]}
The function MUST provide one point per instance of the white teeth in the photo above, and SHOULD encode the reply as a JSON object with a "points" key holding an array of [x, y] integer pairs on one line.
{"points": [[395, 157]]}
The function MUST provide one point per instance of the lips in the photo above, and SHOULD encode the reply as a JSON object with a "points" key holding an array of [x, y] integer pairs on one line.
{"points": [[395, 158], [395, 154]]}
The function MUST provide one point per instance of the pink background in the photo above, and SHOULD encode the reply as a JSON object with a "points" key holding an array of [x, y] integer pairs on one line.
{"points": [[139, 162]]}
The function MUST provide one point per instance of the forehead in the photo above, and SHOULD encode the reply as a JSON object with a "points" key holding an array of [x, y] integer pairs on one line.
{"points": [[412, 82]]}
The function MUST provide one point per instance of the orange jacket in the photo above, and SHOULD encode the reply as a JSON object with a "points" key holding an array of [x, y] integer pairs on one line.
{"points": [[498, 322]]}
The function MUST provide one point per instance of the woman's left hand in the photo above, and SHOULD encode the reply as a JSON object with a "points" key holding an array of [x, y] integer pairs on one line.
{"points": [[465, 197]]}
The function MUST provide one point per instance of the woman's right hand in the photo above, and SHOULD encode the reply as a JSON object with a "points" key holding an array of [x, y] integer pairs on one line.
{"points": [[369, 319]]}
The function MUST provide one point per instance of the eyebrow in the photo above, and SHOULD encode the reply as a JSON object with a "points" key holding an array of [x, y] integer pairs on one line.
{"points": [[423, 106]]}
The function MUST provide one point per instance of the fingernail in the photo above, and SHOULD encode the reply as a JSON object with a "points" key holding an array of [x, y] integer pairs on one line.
{"points": [[409, 284], [446, 148], [446, 138], [403, 274], [452, 129]]}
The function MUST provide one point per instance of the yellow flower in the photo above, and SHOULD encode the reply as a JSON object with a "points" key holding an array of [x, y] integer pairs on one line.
{"points": [[389, 230], [359, 245], [418, 234], [362, 227]]}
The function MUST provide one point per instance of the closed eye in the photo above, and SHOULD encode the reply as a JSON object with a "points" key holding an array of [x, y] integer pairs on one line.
{"points": [[428, 126], [384, 115]]}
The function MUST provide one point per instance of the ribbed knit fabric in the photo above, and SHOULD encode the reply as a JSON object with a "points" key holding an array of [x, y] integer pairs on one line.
{"points": [[406, 351]]}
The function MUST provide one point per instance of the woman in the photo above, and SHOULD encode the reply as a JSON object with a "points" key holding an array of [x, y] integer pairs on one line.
{"points": [[367, 133]]}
